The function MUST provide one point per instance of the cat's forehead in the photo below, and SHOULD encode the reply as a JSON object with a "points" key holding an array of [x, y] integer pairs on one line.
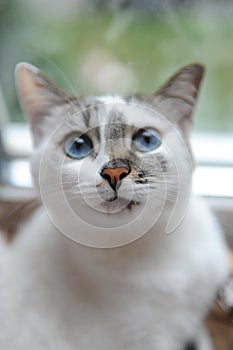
{"points": [[118, 110], [111, 99], [113, 113]]}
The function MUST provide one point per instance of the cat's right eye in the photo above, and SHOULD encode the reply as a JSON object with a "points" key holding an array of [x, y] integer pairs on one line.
{"points": [[146, 140], [78, 147]]}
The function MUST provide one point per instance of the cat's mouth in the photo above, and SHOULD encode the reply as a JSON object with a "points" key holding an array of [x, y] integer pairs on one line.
{"points": [[115, 197], [126, 204]]}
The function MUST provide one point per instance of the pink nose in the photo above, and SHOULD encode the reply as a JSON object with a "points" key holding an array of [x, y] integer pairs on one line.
{"points": [[114, 175]]}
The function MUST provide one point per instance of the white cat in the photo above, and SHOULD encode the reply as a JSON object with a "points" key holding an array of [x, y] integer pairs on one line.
{"points": [[115, 175]]}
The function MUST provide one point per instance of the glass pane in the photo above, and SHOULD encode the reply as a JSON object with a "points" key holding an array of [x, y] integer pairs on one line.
{"points": [[127, 46]]}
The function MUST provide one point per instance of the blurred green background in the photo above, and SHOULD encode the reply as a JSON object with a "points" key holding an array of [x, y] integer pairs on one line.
{"points": [[97, 47]]}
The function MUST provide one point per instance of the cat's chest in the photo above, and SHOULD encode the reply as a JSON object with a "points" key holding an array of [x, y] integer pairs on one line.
{"points": [[47, 272], [58, 293], [52, 265], [91, 302]]}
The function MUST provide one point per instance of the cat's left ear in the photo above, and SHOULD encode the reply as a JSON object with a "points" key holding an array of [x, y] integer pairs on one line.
{"points": [[37, 94], [176, 99]]}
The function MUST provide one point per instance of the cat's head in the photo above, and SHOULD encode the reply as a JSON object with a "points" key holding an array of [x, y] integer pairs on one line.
{"points": [[113, 163]]}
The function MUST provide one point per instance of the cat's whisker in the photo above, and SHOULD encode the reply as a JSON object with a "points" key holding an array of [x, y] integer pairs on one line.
{"points": [[62, 182], [172, 192], [170, 186], [160, 202]]}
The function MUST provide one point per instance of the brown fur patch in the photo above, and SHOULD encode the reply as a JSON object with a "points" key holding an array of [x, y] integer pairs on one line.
{"points": [[231, 262], [13, 214], [220, 321], [220, 328]]}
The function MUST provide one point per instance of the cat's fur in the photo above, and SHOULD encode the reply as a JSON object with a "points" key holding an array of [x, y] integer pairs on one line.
{"points": [[152, 293]]}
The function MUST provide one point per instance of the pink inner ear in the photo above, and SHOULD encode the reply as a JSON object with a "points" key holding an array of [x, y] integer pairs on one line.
{"points": [[29, 90], [37, 94], [176, 99], [184, 84]]}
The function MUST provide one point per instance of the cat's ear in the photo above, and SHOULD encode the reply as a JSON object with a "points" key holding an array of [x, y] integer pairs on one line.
{"points": [[176, 99], [37, 94]]}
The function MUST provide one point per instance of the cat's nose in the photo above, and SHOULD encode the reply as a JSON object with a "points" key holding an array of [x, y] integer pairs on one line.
{"points": [[114, 174]]}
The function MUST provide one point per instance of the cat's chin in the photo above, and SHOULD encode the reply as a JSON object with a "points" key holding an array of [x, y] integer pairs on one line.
{"points": [[118, 204]]}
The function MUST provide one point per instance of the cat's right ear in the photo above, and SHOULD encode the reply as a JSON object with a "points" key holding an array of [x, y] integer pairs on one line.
{"points": [[37, 94], [177, 98]]}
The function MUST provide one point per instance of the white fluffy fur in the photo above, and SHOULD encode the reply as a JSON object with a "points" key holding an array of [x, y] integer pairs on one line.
{"points": [[151, 294]]}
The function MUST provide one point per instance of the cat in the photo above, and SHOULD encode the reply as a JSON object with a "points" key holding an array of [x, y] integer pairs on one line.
{"points": [[120, 254]]}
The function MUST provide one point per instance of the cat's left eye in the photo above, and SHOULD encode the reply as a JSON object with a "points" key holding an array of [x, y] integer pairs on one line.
{"points": [[146, 140], [78, 147]]}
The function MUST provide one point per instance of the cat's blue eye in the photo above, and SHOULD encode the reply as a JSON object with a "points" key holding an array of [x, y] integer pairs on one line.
{"points": [[78, 147], [146, 140]]}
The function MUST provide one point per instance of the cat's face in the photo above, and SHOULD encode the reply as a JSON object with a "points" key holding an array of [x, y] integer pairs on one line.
{"points": [[112, 160]]}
